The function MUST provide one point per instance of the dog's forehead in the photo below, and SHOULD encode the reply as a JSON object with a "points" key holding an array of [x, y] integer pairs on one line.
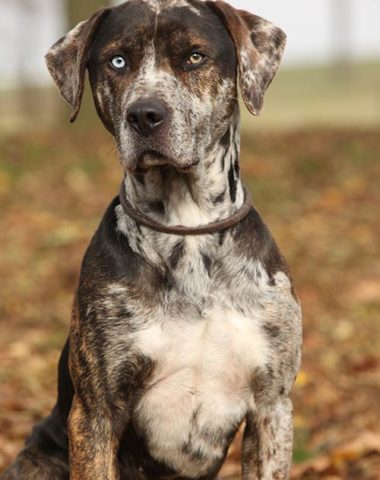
{"points": [[161, 5], [142, 20]]}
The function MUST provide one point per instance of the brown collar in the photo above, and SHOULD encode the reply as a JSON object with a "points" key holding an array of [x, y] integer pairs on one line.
{"points": [[228, 222]]}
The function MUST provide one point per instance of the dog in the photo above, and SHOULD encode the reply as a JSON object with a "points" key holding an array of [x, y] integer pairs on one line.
{"points": [[185, 323]]}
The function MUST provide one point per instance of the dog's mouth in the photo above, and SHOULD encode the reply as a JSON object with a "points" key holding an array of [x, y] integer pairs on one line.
{"points": [[151, 159]]}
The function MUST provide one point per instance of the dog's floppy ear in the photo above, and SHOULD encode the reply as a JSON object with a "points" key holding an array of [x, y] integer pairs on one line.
{"points": [[67, 60], [259, 46]]}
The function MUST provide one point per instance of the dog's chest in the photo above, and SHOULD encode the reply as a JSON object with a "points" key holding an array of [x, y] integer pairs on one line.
{"points": [[200, 389]]}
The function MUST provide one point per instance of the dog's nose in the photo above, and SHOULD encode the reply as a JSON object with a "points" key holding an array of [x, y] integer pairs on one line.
{"points": [[145, 116]]}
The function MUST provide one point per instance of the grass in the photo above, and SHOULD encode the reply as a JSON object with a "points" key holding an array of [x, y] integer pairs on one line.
{"points": [[329, 97]]}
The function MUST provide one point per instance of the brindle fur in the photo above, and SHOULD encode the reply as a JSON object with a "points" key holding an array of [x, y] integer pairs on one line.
{"points": [[174, 341]]}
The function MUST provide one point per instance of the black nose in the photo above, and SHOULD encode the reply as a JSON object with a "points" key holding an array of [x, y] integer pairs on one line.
{"points": [[145, 116]]}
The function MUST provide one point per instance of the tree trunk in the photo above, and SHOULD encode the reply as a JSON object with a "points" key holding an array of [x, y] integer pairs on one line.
{"points": [[341, 38], [80, 10], [76, 12]]}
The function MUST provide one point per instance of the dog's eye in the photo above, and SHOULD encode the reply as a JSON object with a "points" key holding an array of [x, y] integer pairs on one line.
{"points": [[118, 62], [196, 58]]}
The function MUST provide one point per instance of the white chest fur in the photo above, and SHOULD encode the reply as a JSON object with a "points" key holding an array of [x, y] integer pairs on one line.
{"points": [[200, 388]]}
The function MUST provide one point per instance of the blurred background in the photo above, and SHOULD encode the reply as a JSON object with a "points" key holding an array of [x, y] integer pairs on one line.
{"points": [[312, 162]]}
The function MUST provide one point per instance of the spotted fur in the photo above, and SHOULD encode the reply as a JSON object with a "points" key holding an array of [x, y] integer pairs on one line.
{"points": [[175, 341], [259, 45]]}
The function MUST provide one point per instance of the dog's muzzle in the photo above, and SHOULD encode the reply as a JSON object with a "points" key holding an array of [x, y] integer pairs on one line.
{"points": [[150, 137]]}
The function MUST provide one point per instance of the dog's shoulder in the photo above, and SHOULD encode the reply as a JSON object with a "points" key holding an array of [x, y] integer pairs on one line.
{"points": [[254, 240], [109, 256]]}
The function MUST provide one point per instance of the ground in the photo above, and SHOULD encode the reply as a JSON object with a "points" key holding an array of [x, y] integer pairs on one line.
{"points": [[318, 191]]}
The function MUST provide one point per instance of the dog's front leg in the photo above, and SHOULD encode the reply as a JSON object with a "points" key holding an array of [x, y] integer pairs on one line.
{"points": [[268, 442], [93, 444]]}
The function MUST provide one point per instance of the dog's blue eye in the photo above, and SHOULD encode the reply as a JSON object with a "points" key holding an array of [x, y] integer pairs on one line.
{"points": [[118, 62]]}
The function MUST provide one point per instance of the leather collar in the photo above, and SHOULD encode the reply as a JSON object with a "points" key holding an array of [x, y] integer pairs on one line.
{"points": [[214, 227]]}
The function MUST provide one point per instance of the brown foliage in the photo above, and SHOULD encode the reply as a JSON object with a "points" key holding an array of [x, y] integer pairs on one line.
{"points": [[319, 194]]}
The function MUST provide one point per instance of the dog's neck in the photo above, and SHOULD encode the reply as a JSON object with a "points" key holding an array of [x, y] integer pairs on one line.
{"points": [[212, 191]]}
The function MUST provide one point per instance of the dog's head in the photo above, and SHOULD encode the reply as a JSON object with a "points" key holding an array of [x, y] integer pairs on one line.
{"points": [[164, 74]]}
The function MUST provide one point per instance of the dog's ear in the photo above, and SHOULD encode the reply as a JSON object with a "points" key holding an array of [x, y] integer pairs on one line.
{"points": [[259, 47], [67, 60]]}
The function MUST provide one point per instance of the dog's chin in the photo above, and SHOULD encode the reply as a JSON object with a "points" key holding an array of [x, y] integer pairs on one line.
{"points": [[153, 159]]}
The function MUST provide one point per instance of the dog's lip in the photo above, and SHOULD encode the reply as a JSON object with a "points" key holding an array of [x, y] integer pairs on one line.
{"points": [[151, 158]]}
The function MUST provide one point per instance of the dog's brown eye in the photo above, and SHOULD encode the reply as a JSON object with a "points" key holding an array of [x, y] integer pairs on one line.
{"points": [[196, 58]]}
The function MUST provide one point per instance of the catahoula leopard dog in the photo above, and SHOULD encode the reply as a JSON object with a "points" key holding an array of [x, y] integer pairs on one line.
{"points": [[185, 324]]}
